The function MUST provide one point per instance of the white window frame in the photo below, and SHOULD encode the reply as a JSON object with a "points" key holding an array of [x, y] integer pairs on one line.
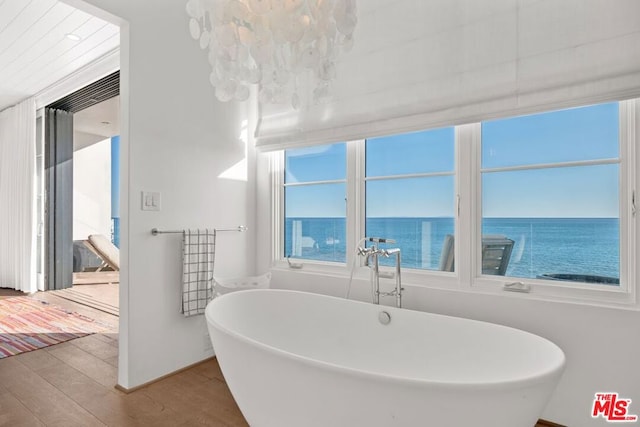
{"points": [[625, 292], [468, 220], [417, 274], [278, 185]]}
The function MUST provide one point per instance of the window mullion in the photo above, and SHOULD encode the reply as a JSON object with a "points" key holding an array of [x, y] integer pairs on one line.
{"points": [[628, 164], [276, 170], [476, 212], [355, 160], [466, 176], [362, 194], [631, 166], [633, 177]]}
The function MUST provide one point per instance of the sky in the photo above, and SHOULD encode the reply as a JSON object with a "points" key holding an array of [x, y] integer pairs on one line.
{"points": [[587, 133]]}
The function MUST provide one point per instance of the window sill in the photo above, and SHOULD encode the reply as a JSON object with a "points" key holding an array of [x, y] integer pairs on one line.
{"points": [[541, 290]]}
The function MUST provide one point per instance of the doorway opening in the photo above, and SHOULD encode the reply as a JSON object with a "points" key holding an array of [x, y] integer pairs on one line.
{"points": [[81, 215]]}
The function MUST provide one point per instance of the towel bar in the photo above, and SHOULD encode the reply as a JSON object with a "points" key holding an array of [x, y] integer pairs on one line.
{"points": [[155, 231]]}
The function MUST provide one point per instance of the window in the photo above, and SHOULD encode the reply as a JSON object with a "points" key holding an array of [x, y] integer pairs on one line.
{"points": [[550, 184], [410, 193], [315, 207], [546, 198]]}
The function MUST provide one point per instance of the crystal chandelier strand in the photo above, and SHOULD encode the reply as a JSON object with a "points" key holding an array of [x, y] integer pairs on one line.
{"points": [[272, 44]]}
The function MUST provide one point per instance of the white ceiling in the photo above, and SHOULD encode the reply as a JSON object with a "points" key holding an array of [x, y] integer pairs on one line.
{"points": [[96, 123], [34, 50]]}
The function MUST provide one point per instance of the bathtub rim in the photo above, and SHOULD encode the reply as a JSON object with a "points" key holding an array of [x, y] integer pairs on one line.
{"points": [[517, 383]]}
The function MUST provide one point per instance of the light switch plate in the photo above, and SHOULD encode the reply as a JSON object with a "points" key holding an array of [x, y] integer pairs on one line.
{"points": [[150, 200]]}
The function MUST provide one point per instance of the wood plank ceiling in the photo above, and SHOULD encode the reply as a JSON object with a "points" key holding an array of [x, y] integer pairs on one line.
{"points": [[35, 51]]}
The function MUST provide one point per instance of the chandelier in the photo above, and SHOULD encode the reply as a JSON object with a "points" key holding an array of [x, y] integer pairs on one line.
{"points": [[287, 48]]}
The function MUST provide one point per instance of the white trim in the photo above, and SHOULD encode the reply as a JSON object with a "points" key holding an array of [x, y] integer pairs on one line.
{"points": [[629, 169], [476, 209], [354, 195], [466, 177], [361, 172], [409, 176], [301, 184], [625, 123], [103, 66], [276, 171], [633, 138], [552, 165], [569, 291]]}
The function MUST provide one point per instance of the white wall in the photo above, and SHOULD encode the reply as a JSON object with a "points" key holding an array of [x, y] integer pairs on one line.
{"points": [[92, 190], [176, 139]]}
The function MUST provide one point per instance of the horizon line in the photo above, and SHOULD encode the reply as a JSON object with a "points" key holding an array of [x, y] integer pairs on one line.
{"points": [[450, 217]]}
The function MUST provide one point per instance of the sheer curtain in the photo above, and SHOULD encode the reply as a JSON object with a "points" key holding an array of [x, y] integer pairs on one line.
{"points": [[17, 197]]}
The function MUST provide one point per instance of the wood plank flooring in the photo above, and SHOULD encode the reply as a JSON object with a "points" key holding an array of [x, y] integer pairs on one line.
{"points": [[72, 384], [103, 297]]}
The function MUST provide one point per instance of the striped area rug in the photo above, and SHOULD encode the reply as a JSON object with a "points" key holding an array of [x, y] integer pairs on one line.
{"points": [[28, 324]]}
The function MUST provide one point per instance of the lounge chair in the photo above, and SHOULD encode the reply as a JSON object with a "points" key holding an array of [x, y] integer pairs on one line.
{"points": [[496, 252], [109, 269]]}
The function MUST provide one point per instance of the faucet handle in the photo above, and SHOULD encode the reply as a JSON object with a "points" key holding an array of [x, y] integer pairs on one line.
{"points": [[388, 252]]}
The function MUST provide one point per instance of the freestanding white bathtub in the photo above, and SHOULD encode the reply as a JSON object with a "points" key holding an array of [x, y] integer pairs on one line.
{"points": [[296, 359]]}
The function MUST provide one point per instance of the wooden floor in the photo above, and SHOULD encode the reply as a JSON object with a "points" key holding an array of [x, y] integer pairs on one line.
{"points": [[102, 297], [72, 384]]}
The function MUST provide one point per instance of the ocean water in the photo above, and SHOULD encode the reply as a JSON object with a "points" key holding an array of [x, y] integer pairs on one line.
{"points": [[576, 246]]}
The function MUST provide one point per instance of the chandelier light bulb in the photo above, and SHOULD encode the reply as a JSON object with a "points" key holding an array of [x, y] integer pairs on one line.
{"points": [[278, 45]]}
